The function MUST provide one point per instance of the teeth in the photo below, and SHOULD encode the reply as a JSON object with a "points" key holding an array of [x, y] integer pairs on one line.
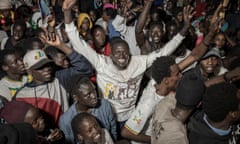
{"points": [[121, 60], [97, 136]]}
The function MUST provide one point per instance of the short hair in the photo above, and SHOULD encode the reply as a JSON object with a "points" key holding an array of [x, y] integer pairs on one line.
{"points": [[116, 40], [22, 12], [77, 81], [4, 53], [112, 13], [219, 100], [52, 51], [158, 24], [28, 43], [78, 120], [161, 68], [95, 28], [20, 23]]}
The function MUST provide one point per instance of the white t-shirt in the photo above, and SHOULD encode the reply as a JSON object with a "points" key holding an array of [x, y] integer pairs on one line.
{"points": [[9, 87], [120, 87]]}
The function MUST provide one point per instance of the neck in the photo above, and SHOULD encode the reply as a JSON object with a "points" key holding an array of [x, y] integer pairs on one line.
{"points": [[16, 77], [223, 125], [37, 82], [82, 108], [181, 114]]}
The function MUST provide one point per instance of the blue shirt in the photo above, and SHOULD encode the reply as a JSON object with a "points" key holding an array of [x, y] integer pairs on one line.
{"points": [[103, 114]]}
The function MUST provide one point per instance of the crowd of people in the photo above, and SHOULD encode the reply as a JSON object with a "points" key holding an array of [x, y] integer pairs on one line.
{"points": [[119, 71]]}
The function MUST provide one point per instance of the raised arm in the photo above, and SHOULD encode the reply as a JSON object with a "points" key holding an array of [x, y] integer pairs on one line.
{"points": [[140, 37], [230, 76], [79, 45], [173, 44], [200, 49]]}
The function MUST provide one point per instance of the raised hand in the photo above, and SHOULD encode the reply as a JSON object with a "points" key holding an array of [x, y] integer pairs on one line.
{"points": [[68, 4], [188, 13], [52, 39]]}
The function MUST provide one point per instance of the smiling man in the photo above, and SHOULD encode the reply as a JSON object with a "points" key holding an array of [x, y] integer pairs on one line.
{"points": [[119, 75]]}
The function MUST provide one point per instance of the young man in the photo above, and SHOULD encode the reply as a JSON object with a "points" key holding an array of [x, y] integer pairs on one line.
{"points": [[87, 130], [14, 73], [86, 100], [44, 91], [19, 112], [119, 75], [172, 112], [209, 65], [165, 76], [221, 108]]}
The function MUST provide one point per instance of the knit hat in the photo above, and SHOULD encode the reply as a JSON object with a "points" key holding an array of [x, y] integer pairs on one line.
{"points": [[5, 4], [190, 90], [81, 17], [213, 52], [108, 5], [35, 59], [15, 111]]}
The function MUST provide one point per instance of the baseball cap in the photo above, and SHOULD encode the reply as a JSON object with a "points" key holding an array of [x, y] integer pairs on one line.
{"points": [[35, 59], [212, 52], [190, 90]]}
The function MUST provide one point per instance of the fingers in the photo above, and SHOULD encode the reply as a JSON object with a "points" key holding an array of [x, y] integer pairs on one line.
{"points": [[55, 135], [52, 36]]}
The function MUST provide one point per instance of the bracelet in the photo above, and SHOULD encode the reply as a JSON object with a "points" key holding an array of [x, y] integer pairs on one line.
{"points": [[225, 78]]}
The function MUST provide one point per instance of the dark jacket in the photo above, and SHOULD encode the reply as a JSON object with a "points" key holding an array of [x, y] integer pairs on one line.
{"points": [[201, 133], [79, 66]]}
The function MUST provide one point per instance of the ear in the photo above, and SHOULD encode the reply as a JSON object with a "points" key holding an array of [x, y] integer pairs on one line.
{"points": [[80, 138], [233, 115], [5, 68], [165, 81], [75, 98]]}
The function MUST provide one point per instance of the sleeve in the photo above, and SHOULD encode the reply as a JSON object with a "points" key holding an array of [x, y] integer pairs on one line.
{"points": [[112, 120], [119, 25], [80, 46], [168, 49], [112, 31], [139, 118], [66, 128], [79, 66]]}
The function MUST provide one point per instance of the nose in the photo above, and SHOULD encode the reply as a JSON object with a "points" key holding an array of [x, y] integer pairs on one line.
{"points": [[209, 61]]}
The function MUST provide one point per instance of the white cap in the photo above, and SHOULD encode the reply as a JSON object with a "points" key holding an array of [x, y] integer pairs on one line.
{"points": [[35, 59]]}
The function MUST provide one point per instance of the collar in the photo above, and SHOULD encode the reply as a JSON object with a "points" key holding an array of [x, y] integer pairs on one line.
{"points": [[216, 130]]}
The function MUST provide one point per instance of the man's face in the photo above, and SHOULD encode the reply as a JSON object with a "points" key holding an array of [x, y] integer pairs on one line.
{"points": [[220, 40], [85, 25], [91, 131], [43, 74], [14, 64], [18, 33], [61, 60], [87, 95], [156, 33], [34, 118], [120, 55], [171, 31], [99, 37], [209, 65]]}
